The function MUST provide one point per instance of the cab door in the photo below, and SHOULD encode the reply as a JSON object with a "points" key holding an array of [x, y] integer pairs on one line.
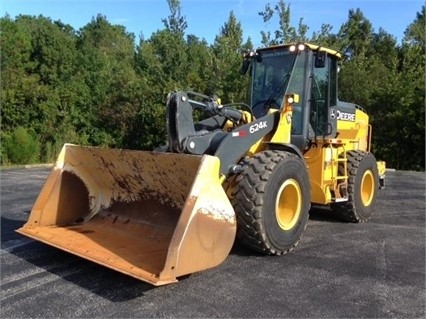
{"points": [[323, 117]]}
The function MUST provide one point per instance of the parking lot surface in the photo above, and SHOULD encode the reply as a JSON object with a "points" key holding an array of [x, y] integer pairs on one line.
{"points": [[338, 270]]}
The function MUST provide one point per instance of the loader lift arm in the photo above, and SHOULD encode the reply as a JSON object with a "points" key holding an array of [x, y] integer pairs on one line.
{"points": [[209, 137]]}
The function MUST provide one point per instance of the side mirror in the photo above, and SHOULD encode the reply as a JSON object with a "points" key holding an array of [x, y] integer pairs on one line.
{"points": [[320, 59], [245, 66]]}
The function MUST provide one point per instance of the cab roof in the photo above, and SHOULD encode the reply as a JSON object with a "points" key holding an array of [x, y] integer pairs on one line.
{"points": [[311, 46]]}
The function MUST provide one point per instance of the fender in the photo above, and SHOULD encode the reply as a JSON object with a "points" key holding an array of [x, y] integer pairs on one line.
{"points": [[286, 147], [238, 142]]}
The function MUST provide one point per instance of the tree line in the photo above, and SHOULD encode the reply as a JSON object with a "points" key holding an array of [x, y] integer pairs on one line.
{"points": [[99, 85]]}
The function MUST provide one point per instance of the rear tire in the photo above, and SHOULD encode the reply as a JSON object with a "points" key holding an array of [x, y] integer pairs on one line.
{"points": [[271, 198], [363, 184]]}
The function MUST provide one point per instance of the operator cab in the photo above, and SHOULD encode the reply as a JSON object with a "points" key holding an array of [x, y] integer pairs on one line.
{"points": [[307, 70]]}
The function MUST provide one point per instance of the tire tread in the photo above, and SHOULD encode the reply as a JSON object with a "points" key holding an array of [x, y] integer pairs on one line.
{"points": [[247, 199]]}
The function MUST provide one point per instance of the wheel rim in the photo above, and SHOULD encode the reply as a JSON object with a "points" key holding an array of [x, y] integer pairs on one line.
{"points": [[288, 204], [367, 188]]}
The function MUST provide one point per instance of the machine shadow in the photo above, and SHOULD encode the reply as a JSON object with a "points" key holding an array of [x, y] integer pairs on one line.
{"points": [[324, 213], [316, 213], [8, 227], [96, 278]]}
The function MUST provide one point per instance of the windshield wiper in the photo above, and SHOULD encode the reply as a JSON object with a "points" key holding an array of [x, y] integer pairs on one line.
{"points": [[278, 91]]}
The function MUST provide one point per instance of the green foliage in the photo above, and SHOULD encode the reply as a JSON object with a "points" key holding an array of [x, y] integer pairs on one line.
{"points": [[355, 35], [176, 23], [96, 86], [227, 81], [19, 147], [285, 32], [108, 82], [389, 82]]}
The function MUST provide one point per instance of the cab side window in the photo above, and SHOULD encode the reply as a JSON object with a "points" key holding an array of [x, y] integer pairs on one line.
{"points": [[323, 94]]}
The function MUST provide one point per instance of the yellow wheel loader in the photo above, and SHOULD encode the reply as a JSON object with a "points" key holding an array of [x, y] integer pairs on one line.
{"points": [[249, 172]]}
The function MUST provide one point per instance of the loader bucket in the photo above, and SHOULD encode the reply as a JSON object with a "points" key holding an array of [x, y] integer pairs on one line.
{"points": [[153, 216]]}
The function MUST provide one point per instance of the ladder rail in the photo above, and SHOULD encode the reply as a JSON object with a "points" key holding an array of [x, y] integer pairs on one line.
{"points": [[339, 188]]}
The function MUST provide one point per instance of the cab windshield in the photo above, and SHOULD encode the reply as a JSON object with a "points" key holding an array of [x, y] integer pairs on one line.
{"points": [[275, 72]]}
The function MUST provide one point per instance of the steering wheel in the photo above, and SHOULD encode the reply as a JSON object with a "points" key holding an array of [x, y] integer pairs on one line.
{"points": [[271, 102]]}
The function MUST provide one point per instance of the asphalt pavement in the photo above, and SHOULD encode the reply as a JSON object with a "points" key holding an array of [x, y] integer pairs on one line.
{"points": [[338, 270]]}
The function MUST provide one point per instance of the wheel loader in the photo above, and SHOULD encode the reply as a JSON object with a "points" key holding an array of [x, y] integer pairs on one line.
{"points": [[249, 172]]}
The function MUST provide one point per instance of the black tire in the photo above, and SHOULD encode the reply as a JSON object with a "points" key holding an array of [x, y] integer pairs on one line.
{"points": [[363, 184], [271, 198]]}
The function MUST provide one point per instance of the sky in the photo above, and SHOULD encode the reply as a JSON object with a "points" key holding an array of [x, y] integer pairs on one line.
{"points": [[206, 17]]}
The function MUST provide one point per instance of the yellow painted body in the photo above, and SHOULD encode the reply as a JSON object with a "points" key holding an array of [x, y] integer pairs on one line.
{"points": [[381, 167], [323, 161], [283, 132], [355, 135], [325, 156]]}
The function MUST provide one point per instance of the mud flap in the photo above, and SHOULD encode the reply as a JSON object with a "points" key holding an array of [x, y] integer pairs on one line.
{"points": [[153, 216]]}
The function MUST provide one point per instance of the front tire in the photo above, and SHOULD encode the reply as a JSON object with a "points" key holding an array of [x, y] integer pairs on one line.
{"points": [[271, 198], [363, 184]]}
